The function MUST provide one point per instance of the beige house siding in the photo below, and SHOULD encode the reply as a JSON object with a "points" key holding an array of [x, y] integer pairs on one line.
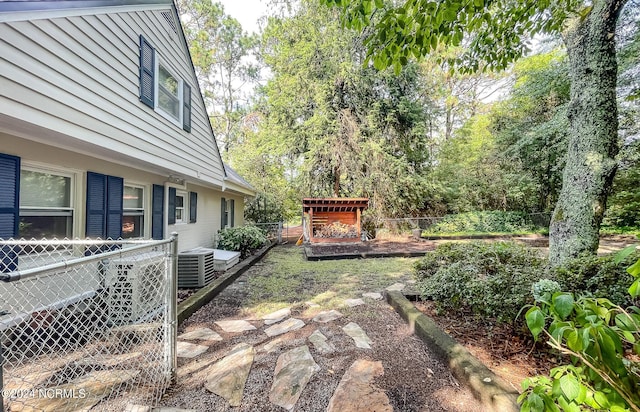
{"points": [[41, 156]]}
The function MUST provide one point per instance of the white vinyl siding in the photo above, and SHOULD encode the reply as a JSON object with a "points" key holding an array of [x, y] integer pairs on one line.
{"points": [[78, 77]]}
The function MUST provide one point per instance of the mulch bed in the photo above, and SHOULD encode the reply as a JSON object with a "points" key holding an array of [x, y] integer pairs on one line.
{"points": [[508, 351]]}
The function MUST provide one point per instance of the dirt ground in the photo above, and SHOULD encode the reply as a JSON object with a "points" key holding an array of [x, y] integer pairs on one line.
{"points": [[414, 379], [508, 353]]}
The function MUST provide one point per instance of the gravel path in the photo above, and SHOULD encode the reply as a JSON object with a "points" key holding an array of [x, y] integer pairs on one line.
{"points": [[413, 379]]}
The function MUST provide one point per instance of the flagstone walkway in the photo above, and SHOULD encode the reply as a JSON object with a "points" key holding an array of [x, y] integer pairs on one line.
{"points": [[356, 357]]}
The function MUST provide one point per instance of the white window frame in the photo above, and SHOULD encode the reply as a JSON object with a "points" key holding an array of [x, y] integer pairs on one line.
{"points": [[158, 108], [73, 201], [144, 210], [185, 207]]}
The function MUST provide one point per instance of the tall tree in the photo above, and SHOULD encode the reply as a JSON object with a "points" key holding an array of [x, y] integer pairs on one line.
{"points": [[345, 129], [497, 32], [221, 52]]}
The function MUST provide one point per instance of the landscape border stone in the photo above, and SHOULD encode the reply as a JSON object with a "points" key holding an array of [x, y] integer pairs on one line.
{"points": [[310, 256], [491, 390], [203, 296]]}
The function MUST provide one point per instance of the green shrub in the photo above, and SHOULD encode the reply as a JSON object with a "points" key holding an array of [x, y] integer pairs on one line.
{"points": [[244, 239], [600, 276], [485, 222], [602, 340], [488, 279]]}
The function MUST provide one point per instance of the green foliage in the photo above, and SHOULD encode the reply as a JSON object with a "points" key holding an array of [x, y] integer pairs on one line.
{"points": [[264, 208], [243, 239], [597, 276], [469, 176], [623, 206], [331, 127], [531, 125], [485, 222], [488, 279], [495, 32], [599, 336], [543, 289], [603, 342]]}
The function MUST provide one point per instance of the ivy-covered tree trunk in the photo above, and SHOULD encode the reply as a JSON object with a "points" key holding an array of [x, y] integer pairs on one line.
{"points": [[593, 133]]}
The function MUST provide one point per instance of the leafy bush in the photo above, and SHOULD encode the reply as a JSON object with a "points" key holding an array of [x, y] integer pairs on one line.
{"points": [[603, 340], [244, 239], [485, 222], [597, 276], [489, 279], [544, 288]]}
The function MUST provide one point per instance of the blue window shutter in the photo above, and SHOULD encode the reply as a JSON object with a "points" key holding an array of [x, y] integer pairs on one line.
{"points": [[147, 72], [233, 210], [223, 209], [157, 213], [9, 209], [193, 207], [172, 206], [96, 205], [186, 107], [115, 188]]}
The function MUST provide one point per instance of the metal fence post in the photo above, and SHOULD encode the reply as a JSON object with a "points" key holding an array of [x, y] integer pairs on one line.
{"points": [[173, 307], [1, 379], [279, 232]]}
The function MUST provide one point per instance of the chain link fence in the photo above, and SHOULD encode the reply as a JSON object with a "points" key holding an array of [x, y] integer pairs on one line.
{"points": [[398, 225], [86, 324], [273, 230]]}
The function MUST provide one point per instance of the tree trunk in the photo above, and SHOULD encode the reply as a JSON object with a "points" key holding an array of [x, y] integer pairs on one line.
{"points": [[593, 133]]}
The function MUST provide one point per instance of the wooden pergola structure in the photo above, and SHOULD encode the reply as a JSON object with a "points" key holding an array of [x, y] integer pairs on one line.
{"points": [[321, 212]]}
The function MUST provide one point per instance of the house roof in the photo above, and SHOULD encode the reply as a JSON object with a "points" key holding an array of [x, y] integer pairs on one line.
{"points": [[238, 181], [41, 5]]}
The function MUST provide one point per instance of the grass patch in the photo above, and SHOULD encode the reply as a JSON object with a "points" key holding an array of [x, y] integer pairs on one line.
{"points": [[287, 279]]}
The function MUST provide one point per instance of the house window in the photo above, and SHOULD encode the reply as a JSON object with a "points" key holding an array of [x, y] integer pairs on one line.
{"points": [[228, 213], [133, 212], [169, 93], [181, 207], [162, 90], [46, 207]]}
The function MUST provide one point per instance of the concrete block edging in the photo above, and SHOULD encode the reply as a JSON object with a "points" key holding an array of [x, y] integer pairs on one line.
{"points": [[491, 390]]}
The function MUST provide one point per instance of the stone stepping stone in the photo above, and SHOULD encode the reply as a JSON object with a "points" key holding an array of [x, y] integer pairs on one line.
{"points": [[235, 326], [273, 345], [320, 343], [89, 390], [359, 336], [201, 334], [284, 327], [327, 316], [189, 350], [228, 376], [373, 295], [277, 316], [352, 303], [356, 391], [396, 286], [294, 369]]}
